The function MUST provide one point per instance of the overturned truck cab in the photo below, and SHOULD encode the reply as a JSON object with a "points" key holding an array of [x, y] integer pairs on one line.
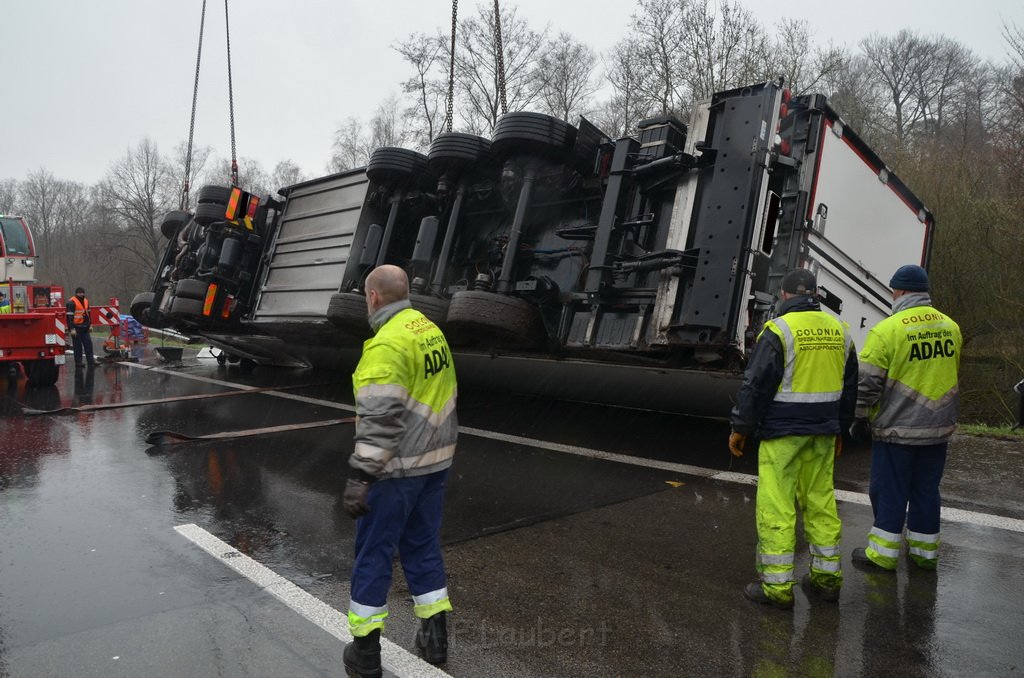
{"points": [[634, 271]]}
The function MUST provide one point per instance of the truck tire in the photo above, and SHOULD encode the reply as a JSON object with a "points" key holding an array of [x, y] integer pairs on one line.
{"points": [[396, 167], [186, 308], [435, 308], [493, 320], [142, 310], [41, 372], [535, 133], [209, 212], [217, 195], [190, 288], [347, 311], [455, 151], [173, 222]]}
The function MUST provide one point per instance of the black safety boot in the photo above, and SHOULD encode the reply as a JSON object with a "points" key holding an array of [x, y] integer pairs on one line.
{"points": [[828, 593], [362, 656], [432, 638], [755, 592]]}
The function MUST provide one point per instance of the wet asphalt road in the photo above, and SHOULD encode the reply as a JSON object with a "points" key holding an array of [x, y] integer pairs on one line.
{"points": [[559, 564]]}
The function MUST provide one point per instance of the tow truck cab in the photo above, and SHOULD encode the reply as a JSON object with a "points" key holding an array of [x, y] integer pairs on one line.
{"points": [[32, 328]]}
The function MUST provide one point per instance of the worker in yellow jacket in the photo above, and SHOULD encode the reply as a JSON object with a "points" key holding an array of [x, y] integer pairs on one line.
{"points": [[797, 396], [406, 430], [908, 401]]}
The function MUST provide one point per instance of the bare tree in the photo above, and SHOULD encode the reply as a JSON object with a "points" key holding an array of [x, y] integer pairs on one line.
{"points": [[349, 148], [898, 62], [803, 66], [476, 66], [427, 88], [627, 106], [138, 190], [726, 48], [196, 168], [286, 173], [657, 61], [9, 196], [354, 142], [569, 83], [40, 197]]}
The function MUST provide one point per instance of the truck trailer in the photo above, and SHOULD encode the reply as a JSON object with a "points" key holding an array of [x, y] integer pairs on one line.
{"points": [[635, 271]]}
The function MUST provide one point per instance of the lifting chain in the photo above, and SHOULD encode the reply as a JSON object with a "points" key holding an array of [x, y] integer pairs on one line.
{"points": [[450, 101], [231, 100], [183, 203], [499, 50]]}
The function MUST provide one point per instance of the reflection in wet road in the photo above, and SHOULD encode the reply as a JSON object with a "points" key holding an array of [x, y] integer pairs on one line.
{"points": [[560, 563]]}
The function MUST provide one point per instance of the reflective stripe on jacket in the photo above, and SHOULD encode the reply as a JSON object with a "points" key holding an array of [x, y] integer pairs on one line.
{"points": [[909, 386], [405, 394], [801, 378]]}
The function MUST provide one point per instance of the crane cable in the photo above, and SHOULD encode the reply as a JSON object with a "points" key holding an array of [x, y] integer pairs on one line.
{"points": [[231, 99], [183, 203], [450, 101], [500, 54]]}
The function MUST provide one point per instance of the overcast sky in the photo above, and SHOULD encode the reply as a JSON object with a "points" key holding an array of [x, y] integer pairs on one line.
{"points": [[84, 81]]}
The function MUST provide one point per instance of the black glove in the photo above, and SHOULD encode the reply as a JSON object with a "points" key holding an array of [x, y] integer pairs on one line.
{"points": [[354, 499], [860, 432]]}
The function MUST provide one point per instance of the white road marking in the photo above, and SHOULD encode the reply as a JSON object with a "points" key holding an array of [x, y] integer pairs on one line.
{"points": [[395, 659], [953, 515]]}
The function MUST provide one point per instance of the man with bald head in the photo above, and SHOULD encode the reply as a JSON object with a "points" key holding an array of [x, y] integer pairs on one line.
{"points": [[405, 437]]}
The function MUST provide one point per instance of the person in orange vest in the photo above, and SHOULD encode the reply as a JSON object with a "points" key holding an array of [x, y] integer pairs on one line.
{"points": [[78, 322]]}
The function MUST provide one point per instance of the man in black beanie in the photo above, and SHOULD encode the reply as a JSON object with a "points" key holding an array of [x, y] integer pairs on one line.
{"points": [[908, 400], [797, 396]]}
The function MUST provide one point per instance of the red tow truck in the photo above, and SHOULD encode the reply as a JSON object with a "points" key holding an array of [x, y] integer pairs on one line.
{"points": [[33, 324]]}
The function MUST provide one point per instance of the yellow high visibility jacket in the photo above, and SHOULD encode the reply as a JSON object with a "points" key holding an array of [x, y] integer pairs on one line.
{"points": [[405, 393], [908, 382]]}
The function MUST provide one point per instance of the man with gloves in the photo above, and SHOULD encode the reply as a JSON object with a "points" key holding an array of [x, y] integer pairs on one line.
{"points": [[405, 437], [908, 400], [798, 394]]}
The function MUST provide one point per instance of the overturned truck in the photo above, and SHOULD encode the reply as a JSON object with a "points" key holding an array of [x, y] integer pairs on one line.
{"points": [[634, 271]]}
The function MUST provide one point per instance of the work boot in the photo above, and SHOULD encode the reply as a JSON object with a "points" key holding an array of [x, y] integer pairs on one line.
{"points": [[432, 638], [755, 592], [362, 656], [862, 561], [828, 593]]}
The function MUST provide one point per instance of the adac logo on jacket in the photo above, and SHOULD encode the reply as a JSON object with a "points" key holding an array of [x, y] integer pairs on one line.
{"points": [[435, 361], [435, 353]]}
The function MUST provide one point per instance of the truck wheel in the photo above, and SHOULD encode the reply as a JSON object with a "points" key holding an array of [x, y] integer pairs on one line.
{"points": [[435, 308], [247, 365], [190, 288], [495, 320], [222, 358], [218, 195], [41, 372], [186, 307], [393, 167], [143, 311], [347, 311], [173, 222], [209, 212], [455, 151], [141, 305], [536, 133]]}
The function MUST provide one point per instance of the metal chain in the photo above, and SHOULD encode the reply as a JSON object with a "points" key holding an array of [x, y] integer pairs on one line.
{"points": [[231, 101], [500, 53], [183, 203], [450, 102]]}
